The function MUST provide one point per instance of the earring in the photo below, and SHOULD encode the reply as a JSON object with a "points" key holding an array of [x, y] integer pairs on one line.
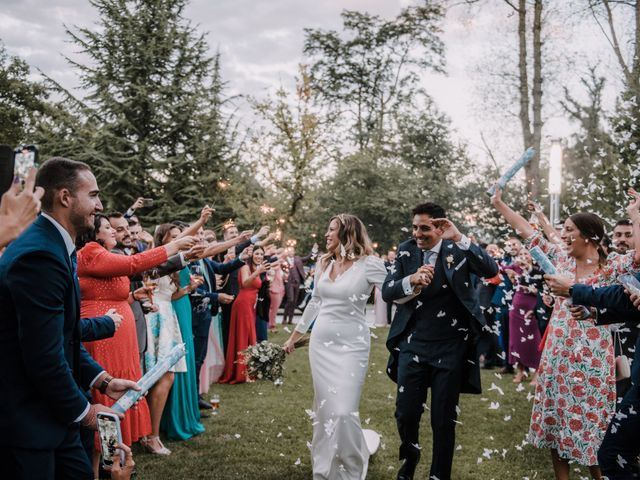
{"points": [[343, 251]]}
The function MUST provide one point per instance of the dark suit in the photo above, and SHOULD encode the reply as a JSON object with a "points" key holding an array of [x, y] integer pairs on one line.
{"points": [[98, 328], [44, 369], [295, 279], [203, 311], [432, 344], [620, 448]]}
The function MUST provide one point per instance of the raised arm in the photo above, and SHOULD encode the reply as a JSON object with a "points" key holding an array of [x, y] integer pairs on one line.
{"points": [[543, 221], [224, 246], [517, 221], [205, 215], [96, 261]]}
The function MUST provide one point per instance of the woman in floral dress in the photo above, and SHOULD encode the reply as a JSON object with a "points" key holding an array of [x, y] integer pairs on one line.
{"points": [[576, 390]]}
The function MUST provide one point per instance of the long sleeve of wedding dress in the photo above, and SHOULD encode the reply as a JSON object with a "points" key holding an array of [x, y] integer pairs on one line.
{"points": [[313, 306]]}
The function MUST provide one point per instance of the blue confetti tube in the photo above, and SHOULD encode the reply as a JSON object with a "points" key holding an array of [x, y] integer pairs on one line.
{"points": [[509, 174], [543, 261], [630, 283], [150, 378]]}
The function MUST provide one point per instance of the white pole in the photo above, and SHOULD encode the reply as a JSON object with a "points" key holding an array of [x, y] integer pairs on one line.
{"points": [[555, 181]]}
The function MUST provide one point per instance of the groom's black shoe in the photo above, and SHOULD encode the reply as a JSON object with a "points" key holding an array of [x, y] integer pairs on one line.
{"points": [[407, 470]]}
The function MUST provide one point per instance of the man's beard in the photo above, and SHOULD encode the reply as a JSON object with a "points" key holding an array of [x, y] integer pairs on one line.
{"points": [[622, 248], [122, 245], [80, 223]]}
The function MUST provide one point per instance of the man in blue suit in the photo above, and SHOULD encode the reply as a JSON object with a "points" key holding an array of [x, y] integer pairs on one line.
{"points": [[44, 370], [432, 339], [618, 454], [205, 302]]}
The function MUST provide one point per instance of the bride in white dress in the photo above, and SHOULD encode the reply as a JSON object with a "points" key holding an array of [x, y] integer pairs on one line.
{"points": [[339, 348]]}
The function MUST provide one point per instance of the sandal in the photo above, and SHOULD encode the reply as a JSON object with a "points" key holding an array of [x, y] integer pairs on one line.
{"points": [[147, 444]]}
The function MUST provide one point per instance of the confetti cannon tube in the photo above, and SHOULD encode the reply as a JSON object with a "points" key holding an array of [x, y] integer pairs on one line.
{"points": [[543, 261], [509, 174], [150, 378], [630, 283]]}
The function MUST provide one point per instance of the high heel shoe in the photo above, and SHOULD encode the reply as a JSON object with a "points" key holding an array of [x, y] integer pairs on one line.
{"points": [[147, 444]]}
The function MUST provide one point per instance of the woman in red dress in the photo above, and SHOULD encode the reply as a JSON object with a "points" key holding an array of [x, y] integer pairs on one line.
{"points": [[242, 332], [105, 285]]}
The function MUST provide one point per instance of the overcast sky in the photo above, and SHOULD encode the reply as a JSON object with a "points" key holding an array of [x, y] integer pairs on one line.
{"points": [[261, 45]]}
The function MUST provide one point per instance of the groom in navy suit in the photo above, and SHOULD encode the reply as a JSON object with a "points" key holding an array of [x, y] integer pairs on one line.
{"points": [[44, 369], [433, 334]]}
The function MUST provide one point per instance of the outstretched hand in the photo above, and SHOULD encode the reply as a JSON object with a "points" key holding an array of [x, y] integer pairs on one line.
{"points": [[119, 386], [496, 198], [559, 284], [633, 209], [206, 214]]}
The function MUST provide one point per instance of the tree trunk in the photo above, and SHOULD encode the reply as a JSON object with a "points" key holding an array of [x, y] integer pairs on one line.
{"points": [[636, 59], [525, 121], [533, 170]]}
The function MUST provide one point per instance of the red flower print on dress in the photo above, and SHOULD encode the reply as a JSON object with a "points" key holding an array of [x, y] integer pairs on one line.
{"points": [[593, 333], [575, 424], [578, 390]]}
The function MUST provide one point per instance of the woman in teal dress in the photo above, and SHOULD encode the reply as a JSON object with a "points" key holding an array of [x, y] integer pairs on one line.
{"points": [[181, 416]]}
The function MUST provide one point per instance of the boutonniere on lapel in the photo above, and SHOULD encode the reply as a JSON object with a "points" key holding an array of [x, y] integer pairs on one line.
{"points": [[449, 260]]}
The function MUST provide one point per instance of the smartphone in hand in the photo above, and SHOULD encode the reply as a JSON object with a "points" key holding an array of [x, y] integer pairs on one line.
{"points": [[110, 436]]}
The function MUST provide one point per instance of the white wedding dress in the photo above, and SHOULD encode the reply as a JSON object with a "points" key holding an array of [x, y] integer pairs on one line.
{"points": [[339, 357]]}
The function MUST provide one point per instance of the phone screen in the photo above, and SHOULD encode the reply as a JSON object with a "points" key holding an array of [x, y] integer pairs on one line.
{"points": [[108, 431], [25, 159]]}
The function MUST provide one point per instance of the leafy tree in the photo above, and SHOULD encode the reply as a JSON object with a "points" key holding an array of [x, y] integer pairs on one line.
{"points": [[21, 100], [155, 97], [293, 153], [371, 69]]}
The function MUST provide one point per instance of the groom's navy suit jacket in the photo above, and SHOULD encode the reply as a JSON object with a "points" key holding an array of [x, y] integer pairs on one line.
{"points": [[459, 273], [44, 369]]}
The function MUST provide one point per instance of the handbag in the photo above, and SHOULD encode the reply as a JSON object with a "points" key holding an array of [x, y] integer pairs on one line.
{"points": [[263, 301], [623, 367]]}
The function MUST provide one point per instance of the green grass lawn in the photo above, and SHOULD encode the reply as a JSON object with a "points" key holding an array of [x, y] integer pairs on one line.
{"points": [[262, 431]]}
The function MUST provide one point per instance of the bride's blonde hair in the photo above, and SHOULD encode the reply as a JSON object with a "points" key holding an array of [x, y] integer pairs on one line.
{"points": [[353, 237]]}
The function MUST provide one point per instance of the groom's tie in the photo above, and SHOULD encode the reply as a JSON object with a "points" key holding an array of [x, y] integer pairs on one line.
{"points": [[426, 256]]}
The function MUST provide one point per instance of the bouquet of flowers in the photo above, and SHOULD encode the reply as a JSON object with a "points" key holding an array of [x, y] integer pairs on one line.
{"points": [[265, 360]]}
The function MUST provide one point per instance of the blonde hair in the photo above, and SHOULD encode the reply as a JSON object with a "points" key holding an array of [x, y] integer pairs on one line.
{"points": [[353, 238]]}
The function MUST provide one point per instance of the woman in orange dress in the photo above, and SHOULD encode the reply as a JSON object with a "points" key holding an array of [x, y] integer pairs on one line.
{"points": [[242, 332], [105, 285]]}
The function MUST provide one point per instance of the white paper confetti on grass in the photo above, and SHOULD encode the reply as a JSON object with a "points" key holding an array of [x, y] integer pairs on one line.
{"points": [[494, 406], [297, 462], [237, 435], [496, 388]]}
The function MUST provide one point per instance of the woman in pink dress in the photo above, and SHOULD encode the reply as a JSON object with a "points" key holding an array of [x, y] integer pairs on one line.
{"points": [[576, 390], [276, 292]]}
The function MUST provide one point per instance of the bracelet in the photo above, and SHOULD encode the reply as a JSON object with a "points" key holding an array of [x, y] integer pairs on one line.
{"points": [[102, 388]]}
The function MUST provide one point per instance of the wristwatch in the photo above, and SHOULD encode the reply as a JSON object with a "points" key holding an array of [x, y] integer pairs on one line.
{"points": [[102, 388], [570, 291]]}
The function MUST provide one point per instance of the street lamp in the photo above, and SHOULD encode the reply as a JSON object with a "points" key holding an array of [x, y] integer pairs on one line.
{"points": [[555, 181]]}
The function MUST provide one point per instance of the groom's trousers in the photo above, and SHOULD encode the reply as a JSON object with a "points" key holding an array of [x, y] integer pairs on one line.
{"points": [[424, 365]]}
